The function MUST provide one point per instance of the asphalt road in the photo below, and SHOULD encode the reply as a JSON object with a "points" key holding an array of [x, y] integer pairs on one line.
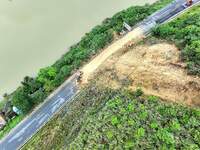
{"points": [[171, 10], [37, 119], [27, 128], [165, 14]]}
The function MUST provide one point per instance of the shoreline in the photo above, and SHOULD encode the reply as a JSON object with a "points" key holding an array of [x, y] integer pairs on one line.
{"points": [[10, 83]]}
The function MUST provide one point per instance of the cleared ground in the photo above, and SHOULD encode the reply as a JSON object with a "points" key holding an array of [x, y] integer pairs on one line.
{"points": [[88, 69], [156, 68]]}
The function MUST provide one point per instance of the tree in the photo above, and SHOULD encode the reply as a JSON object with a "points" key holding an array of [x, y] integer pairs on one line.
{"points": [[47, 74], [38, 96], [22, 101], [31, 85]]}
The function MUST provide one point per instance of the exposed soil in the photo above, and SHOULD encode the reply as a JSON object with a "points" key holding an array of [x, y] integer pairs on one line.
{"points": [[156, 68], [130, 38]]}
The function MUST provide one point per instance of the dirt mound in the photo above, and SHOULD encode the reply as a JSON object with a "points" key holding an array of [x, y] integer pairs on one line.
{"points": [[157, 70]]}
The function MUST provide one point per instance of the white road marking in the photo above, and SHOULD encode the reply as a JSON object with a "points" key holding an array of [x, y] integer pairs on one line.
{"points": [[56, 101], [15, 137], [59, 102], [54, 108], [20, 132], [42, 119], [28, 124], [39, 116], [20, 139]]}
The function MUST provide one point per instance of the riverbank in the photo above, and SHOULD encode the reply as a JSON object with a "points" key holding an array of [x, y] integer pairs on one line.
{"points": [[116, 110], [34, 90], [32, 38]]}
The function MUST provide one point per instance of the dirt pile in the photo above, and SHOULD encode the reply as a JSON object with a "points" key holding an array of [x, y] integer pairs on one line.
{"points": [[156, 69]]}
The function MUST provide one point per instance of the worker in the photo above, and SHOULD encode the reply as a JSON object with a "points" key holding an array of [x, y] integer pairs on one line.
{"points": [[79, 76]]}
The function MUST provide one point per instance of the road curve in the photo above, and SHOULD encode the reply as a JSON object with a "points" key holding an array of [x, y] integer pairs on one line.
{"points": [[28, 127]]}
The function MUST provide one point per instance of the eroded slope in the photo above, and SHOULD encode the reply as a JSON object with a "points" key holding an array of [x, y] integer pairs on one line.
{"points": [[157, 69]]}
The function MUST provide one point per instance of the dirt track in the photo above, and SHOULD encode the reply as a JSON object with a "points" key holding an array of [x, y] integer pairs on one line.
{"points": [[87, 70]]}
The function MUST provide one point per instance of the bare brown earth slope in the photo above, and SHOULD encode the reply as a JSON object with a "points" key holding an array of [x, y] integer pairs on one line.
{"points": [[155, 68]]}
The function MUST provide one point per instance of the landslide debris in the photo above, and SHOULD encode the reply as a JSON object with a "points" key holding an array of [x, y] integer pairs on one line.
{"points": [[155, 68]]}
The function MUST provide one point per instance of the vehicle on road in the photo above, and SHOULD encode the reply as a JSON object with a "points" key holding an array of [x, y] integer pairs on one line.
{"points": [[189, 2]]}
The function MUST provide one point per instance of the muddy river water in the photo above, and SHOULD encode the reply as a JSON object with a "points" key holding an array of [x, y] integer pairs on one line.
{"points": [[34, 33]]}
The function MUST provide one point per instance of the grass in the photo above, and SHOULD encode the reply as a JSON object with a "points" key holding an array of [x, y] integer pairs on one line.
{"points": [[10, 125]]}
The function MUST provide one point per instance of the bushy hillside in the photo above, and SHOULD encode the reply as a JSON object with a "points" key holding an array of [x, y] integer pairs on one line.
{"points": [[128, 121], [185, 32], [101, 118]]}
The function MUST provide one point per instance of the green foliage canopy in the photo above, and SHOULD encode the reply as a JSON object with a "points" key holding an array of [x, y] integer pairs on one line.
{"points": [[185, 32]]}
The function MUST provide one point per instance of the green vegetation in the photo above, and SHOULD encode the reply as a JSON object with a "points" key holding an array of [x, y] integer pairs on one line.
{"points": [[185, 32], [2, 103], [101, 118], [129, 122], [10, 125], [63, 127], [35, 90]]}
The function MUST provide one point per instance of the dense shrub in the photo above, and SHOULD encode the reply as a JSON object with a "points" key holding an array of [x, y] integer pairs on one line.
{"points": [[185, 32], [22, 100], [131, 122]]}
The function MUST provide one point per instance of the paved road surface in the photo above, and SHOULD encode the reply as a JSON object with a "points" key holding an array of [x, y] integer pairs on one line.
{"points": [[36, 120], [30, 126], [170, 11], [165, 14]]}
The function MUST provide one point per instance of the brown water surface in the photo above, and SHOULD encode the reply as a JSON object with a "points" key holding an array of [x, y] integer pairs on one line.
{"points": [[34, 33]]}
